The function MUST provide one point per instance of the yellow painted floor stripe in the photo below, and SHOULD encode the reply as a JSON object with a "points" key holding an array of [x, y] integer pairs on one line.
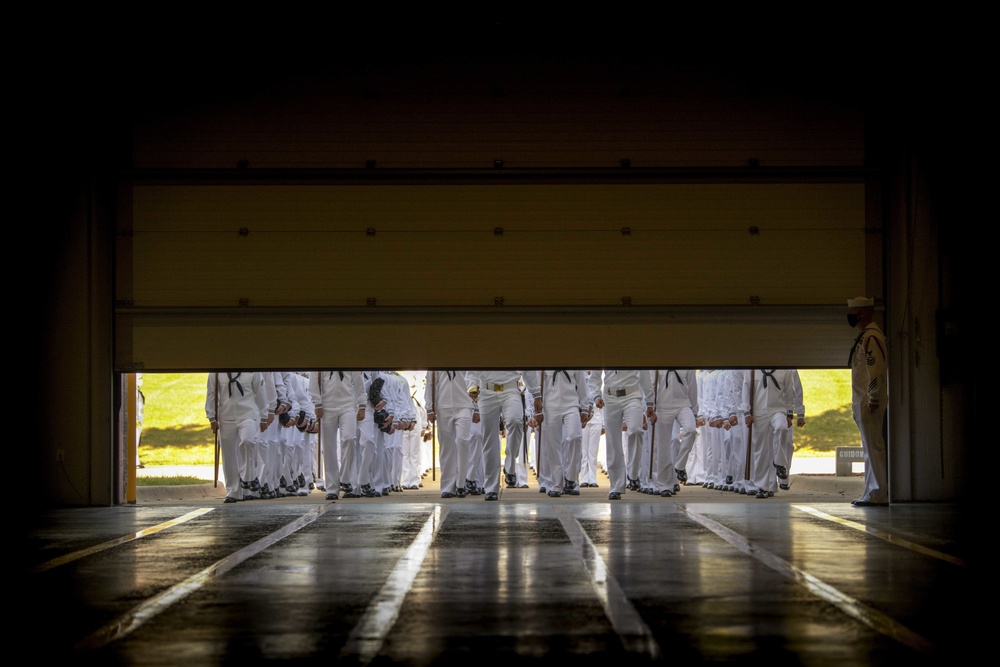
{"points": [[881, 534], [129, 622], [853, 608], [82, 553], [625, 619], [366, 638]]}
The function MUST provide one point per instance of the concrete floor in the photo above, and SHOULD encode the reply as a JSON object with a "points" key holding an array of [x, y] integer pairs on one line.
{"points": [[802, 578]]}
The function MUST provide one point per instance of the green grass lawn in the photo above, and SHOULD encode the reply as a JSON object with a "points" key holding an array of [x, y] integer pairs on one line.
{"points": [[175, 431]]}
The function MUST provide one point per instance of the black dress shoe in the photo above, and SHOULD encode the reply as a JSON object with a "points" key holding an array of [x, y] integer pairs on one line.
{"points": [[666, 493], [447, 494], [331, 496], [614, 495], [229, 499], [782, 471], [682, 475], [492, 496], [554, 494], [510, 480], [762, 494], [868, 503], [541, 489]]}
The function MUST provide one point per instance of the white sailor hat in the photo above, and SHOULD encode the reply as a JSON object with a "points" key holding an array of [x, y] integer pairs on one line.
{"points": [[860, 302]]}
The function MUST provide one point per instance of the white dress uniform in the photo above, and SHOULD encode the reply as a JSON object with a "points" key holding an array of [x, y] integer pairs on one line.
{"points": [[691, 465], [498, 395], [869, 402], [772, 402], [735, 412], [449, 406], [785, 448], [405, 423], [676, 407], [273, 437], [338, 398], [412, 454], [622, 395], [367, 432], [300, 443], [591, 448], [236, 402], [711, 436], [565, 401], [526, 455]]}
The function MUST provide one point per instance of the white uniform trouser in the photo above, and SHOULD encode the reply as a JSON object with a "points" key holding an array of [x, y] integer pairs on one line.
{"points": [[453, 428], [305, 456], [766, 432], [670, 421], [477, 469], [739, 446], [491, 406], [645, 474], [235, 442], [271, 456], [872, 429], [619, 410], [338, 430], [714, 458], [784, 449], [727, 452], [522, 459], [393, 458], [286, 447], [589, 445], [250, 462], [562, 435], [366, 449], [412, 466]]}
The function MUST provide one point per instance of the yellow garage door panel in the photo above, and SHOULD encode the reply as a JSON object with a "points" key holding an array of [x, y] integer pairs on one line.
{"points": [[528, 245], [524, 268], [501, 338], [289, 276], [291, 209]]}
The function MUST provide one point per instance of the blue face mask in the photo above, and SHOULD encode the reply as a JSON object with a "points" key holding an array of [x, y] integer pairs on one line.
{"points": [[852, 319]]}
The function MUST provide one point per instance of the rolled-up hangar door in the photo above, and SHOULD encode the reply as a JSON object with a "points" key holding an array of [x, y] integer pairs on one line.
{"points": [[363, 225]]}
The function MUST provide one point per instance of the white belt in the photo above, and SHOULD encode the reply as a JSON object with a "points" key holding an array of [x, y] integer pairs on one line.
{"points": [[622, 392]]}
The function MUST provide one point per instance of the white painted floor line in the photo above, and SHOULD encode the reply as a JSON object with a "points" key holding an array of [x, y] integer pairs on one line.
{"points": [[881, 534], [366, 638], [127, 623], [635, 634], [853, 608], [76, 555]]}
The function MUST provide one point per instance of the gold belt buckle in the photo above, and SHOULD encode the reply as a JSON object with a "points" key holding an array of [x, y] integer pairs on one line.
{"points": [[498, 387], [620, 392]]}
